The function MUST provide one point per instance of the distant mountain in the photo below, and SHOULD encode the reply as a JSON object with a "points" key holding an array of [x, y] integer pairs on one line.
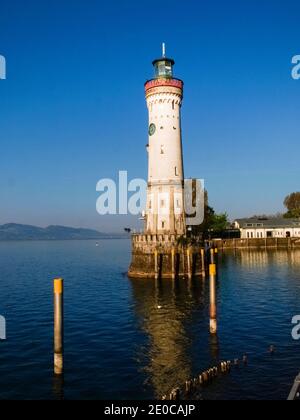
{"points": [[16, 232]]}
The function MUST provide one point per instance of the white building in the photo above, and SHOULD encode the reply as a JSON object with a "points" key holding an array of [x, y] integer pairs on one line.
{"points": [[165, 196], [268, 228]]}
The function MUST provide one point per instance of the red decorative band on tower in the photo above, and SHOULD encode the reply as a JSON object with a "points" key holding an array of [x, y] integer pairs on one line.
{"points": [[152, 84]]}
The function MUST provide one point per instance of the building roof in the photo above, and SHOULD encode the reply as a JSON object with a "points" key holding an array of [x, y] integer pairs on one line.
{"points": [[271, 223]]}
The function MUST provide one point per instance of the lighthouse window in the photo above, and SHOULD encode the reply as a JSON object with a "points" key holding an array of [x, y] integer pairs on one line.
{"points": [[163, 225], [163, 69], [176, 171], [173, 104]]}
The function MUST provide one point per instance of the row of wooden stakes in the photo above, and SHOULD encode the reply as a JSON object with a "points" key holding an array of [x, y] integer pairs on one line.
{"points": [[202, 380]]}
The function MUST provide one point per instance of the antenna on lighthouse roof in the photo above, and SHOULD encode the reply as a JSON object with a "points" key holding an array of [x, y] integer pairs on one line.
{"points": [[164, 50]]}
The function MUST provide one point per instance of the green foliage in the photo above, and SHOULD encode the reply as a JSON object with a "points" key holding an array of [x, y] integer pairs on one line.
{"points": [[292, 203], [219, 222], [292, 214], [213, 225]]}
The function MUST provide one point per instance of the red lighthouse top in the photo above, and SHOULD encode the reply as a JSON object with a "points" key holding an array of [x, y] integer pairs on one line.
{"points": [[164, 82]]}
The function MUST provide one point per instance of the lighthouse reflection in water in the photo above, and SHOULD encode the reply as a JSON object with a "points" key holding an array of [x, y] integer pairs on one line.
{"points": [[168, 312]]}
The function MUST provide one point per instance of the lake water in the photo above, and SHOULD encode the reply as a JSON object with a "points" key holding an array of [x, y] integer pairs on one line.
{"points": [[138, 339]]}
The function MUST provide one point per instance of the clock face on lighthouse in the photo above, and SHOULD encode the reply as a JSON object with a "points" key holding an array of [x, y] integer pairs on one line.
{"points": [[152, 129]]}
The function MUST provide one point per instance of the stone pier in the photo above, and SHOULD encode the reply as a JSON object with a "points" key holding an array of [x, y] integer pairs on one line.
{"points": [[160, 256]]}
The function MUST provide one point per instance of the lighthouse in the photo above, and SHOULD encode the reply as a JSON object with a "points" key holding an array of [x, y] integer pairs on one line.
{"points": [[165, 195], [161, 249]]}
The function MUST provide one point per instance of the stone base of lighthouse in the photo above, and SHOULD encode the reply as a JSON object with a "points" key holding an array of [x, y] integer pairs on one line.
{"points": [[160, 256]]}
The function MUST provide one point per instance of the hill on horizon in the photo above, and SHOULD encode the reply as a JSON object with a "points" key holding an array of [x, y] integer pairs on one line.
{"points": [[19, 232]]}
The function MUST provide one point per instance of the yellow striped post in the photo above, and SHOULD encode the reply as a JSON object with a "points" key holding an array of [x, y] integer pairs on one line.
{"points": [[58, 326], [213, 299]]}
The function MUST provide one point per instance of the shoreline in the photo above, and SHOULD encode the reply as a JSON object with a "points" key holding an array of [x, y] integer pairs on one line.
{"points": [[257, 243]]}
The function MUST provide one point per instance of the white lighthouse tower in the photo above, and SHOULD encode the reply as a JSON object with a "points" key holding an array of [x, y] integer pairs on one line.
{"points": [[165, 212], [158, 252]]}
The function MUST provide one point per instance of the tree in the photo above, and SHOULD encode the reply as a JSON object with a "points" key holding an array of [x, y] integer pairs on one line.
{"points": [[292, 203], [213, 225], [219, 223]]}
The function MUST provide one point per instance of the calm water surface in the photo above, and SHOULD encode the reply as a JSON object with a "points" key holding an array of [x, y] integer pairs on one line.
{"points": [[138, 339]]}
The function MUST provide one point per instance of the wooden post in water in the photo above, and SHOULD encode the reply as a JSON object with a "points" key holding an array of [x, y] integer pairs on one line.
{"points": [[58, 326], [189, 263], [173, 264], [213, 299], [216, 255], [203, 262], [212, 256], [156, 264]]}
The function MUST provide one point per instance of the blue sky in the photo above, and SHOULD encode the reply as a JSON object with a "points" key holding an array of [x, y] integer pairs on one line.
{"points": [[72, 110]]}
